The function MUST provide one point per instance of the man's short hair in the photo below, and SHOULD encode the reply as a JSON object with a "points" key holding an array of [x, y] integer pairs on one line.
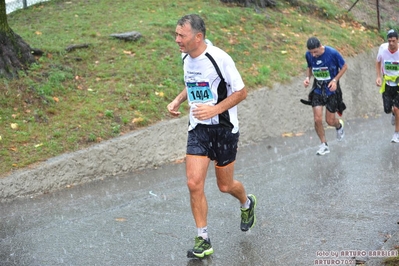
{"points": [[196, 22], [313, 43], [392, 34]]}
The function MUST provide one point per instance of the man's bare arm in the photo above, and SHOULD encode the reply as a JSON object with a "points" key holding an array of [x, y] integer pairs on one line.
{"points": [[203, 111], [173, 107]]}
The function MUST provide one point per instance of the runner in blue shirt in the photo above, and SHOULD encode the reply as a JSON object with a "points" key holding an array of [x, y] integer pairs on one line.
{"points": [[327, 66]]}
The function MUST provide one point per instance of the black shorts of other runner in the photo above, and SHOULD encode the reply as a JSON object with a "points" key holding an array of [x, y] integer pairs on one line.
{"points": [[390, 98], [331, 102]]}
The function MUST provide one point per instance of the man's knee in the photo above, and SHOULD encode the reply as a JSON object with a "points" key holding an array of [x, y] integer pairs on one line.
{"points": [[224, 188], [194, 183], [331, 121], [318, 120]]}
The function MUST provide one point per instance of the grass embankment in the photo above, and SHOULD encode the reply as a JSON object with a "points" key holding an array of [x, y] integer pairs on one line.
{"points": [[71, 100]]}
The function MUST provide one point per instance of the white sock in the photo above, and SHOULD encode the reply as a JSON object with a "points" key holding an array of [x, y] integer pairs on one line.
{"points": [[246, 204], [203, 232]]}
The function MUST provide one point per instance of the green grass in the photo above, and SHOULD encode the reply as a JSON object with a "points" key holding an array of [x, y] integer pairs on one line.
{"points": [[70, 100], [392, 261]]}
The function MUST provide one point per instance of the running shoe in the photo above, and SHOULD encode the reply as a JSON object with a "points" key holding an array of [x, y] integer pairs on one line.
{"points": [[392, 119], [395, 138], [202, 248], [340, 132], [323, 149], [248, 218]]}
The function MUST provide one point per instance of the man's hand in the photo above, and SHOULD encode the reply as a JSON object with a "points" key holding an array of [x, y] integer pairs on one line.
{"points": [[306, 82], [204, 112], [332, 85], [173, 109], [378, 82]]}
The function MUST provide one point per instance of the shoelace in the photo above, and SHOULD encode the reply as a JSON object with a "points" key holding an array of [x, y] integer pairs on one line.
{"points": [[199, 242], [245, 214]]}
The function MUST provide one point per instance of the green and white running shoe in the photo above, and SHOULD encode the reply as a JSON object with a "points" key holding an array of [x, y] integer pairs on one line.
{"points": [[248, 218], [202, 248]]}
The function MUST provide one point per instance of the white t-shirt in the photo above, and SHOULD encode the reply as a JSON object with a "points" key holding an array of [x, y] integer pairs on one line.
{"points": [[202, 81], [389, 62]]}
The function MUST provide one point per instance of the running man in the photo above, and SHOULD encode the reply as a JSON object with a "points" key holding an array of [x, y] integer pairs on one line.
{"points": [[327, 66], [387, 67], [213, 88]]}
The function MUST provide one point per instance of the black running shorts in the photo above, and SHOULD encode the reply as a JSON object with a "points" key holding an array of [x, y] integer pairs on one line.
{"points": [[390, 98], [330, 102], [214, 141]]}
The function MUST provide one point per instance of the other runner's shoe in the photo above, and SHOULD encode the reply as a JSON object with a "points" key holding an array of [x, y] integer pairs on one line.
{"points": [[340, 132], [202, 248], [392, 119], [248, 218], [395, 138], [323, 149]]}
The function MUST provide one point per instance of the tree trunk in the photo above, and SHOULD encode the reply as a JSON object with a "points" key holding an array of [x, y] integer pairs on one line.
{"points": [[15, 54]]}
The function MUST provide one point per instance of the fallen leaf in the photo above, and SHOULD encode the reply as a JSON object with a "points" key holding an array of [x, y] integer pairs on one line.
{"points": [[56, 99], [290, 134], [138, 120], [38, 145], [160, 94], [14, 125]]}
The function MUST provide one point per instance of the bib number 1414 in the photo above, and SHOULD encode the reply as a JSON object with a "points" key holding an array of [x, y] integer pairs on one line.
{"points": [[199, 92]]}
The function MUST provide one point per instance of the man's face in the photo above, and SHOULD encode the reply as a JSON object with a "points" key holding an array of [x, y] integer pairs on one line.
{"points": [[393, 43], [185, 38], [316, 52]]}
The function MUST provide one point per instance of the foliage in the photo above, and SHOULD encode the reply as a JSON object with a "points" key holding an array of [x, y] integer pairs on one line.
{"points": [[70, 100], [392, 261]]}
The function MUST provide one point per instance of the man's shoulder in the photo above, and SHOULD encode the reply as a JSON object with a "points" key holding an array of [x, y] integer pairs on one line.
{"points": [[217, 52], [330, 49], [334, 52]]}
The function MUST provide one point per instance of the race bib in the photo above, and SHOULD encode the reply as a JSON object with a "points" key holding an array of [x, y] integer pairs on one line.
{"points": [[391, 66], [321, 73], [199, 92]]}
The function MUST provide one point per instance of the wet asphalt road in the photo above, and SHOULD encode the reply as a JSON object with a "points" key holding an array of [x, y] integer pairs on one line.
{"points": [[308, 208]]}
